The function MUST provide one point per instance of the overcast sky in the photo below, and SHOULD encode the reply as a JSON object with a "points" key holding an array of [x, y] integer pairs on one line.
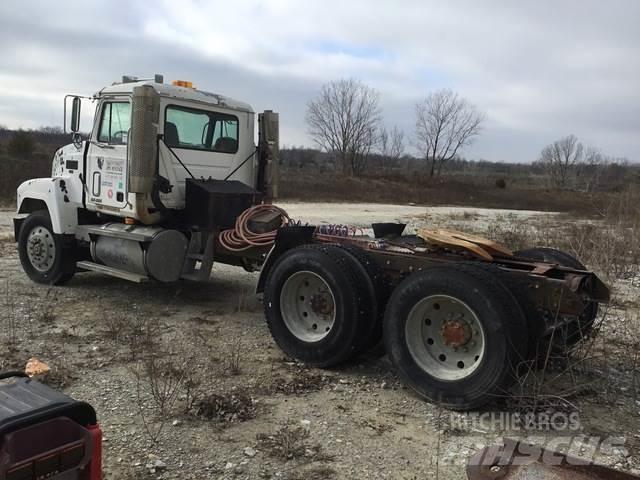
{"points": [[538, 69]]}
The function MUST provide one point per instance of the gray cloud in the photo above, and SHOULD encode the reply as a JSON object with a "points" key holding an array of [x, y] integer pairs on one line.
{"points": [[539, 70]]}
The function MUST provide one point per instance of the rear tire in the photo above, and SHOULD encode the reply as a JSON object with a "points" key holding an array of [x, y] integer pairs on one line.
{"points": [[455, 335], [318, 304], [46, 257], [574, 332], [373, 346]]}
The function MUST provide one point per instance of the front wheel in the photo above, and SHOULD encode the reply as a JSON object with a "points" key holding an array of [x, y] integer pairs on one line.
{"points": [[46, 257], [456, 335]]}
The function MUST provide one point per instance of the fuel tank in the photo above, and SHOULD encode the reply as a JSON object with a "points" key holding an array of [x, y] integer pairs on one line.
{"points": [[146, 250]]}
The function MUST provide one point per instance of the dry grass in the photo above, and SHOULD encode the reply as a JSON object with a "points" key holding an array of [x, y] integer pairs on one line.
{"points": [[300, 381], [420, 189], [141, 335], [320, 472], [230, 407], [289, 442], [608, 244], [10, 318], [233, 357]]}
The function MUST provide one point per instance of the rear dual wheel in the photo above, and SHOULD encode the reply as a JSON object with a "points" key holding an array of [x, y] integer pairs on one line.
{"points": [[456, 335], [320, 305]]}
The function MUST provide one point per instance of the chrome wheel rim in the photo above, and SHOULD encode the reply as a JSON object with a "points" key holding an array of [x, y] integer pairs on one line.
{"points": [[445, 337], [308, 306], [41, 249]]}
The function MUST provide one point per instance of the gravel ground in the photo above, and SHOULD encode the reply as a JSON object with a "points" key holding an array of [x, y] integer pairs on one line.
{"points": [[256, 414]]}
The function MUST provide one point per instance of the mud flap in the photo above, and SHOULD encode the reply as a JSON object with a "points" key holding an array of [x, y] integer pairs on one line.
{"points": [[286, 239]]}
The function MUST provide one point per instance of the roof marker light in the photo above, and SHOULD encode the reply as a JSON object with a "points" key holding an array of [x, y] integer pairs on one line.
{"points": [[182, 83]]}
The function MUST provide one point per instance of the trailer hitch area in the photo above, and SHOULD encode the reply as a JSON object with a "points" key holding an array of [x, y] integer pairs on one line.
{"points": [[589, 284], [516, 460]]}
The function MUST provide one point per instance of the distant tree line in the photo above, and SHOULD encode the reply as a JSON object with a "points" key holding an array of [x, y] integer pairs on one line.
{"points": [[346, 123], [26, 154], [569, 164], [610, 174], [26, 143]]}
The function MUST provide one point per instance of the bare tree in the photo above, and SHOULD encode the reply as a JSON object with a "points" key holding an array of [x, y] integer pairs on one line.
{"points": [[51, 130], [445, 123], [560, 157], [391, 146], [590, 170], [343, 120]]}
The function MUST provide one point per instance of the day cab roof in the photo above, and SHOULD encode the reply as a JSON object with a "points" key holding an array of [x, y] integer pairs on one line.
{"points": [[178, 92]]}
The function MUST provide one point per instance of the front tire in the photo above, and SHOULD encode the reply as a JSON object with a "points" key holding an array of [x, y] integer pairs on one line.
{"points": [[456, 335], [46, 257]]}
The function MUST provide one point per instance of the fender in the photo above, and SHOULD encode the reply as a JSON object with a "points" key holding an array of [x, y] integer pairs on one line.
{"points": [[56, 195], [286, 239]]}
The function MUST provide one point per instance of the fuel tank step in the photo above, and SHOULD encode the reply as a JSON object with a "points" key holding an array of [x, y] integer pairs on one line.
{"points": [[114, 272]]}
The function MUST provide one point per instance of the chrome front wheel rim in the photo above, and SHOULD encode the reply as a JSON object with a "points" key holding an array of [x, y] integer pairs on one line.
{"points": [[41, 248]]}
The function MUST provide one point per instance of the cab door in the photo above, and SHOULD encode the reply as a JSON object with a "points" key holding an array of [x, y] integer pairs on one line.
{"points": [[107, 156]]}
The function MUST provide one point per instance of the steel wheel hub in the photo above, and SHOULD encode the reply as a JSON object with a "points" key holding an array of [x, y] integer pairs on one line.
{"points": [[456, 333], [308, 306], [445, 337], [41, 249]]}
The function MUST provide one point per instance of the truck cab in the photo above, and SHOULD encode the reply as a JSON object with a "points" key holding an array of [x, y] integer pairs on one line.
{"points": [[153, 147]]}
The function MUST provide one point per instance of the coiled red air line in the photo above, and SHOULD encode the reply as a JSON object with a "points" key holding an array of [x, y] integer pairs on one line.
{"points": [[241, 238]]}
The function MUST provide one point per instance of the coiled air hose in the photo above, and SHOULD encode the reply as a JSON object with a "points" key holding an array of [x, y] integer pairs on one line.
{"points": [[241, 238]]}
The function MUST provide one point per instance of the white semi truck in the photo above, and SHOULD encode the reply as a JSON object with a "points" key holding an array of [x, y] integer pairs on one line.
{"points": [[164, 169], [169, 179]]}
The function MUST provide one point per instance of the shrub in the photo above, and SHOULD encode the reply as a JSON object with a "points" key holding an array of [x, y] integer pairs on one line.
{"points": [[501, 183]]}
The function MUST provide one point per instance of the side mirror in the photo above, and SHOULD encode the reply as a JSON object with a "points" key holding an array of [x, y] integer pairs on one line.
{"points": [[75, 115]]}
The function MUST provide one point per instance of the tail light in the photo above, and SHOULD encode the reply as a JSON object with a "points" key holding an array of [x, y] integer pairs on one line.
{"points": [[95, 467], [58, 448]]}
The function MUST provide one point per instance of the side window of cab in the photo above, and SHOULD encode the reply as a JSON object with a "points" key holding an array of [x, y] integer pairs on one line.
{"points": [[195, 129], [115, 122]]}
